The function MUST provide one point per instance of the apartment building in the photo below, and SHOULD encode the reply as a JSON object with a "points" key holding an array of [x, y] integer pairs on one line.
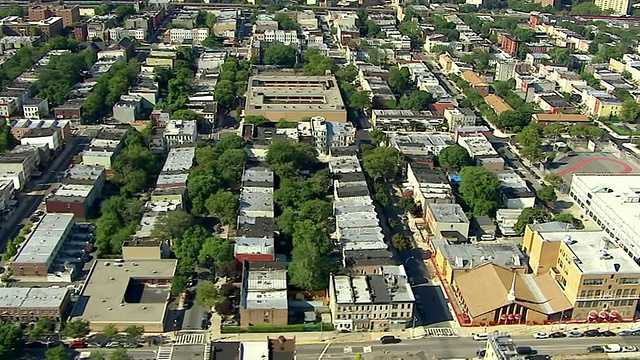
{"points": [[81, 187], [514, 191], [70, 14], [16, 26], [477, 82], [27, 305], [371, 302], [180, 132], [619, 7], [190, 36], [459, 117], [497, 104], [598, 277], [428, 185], [481, 151], [446, 218], [264, 294]]}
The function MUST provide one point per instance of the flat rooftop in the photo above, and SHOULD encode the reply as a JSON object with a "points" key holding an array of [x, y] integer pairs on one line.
{"points": [[253, 245], [31, 298], [293, 92], [391, 287], [41, 246], [257, 175], [265, 287], [448, 213], [179, 160], [108, 287], [256, 199], [469, 256], [477, 145], [593, 253]]}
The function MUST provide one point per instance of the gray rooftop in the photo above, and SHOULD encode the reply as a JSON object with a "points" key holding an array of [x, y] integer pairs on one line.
{"points": [[390, 287], [265, 287], [82, 173], [470, 256], [448, 213], [179, 160], [44, 242], [31, 298], [256, 199], [257, 176]]}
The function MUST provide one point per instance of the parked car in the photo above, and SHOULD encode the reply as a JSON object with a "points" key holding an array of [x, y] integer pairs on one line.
{"points": [[607, 333], [390, 339], [480, 336], [481, 352], [574, 334], [541, 335], [77, 344], [526, 350], [629, 348], [625, 332], [592, 333], [612, 348], [595, 349], [557, 335]]}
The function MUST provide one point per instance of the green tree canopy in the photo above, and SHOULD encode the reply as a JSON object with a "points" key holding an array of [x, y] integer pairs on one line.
{"points": [[300, 155], [418, 101], [530, 216], [208, 295], [280, 54], [554, 179], [216, 250], [223, 205], [401, 242], [378, 136], [76, 328], [184, 114], [317, 64], [569, 219], [311, 261], [110, 331], [479, 188], [172, 225], [547, 194], [454, 157], [58, 353], [201, 184], [399, 79], [189, 245], [382, 162], [10, 341]]}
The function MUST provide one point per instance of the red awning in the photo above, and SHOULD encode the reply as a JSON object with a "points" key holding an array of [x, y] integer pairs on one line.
{"points": [[603, 314], [511, 316], [518, 316], [503, 316], [593, 314], [614, 314]]}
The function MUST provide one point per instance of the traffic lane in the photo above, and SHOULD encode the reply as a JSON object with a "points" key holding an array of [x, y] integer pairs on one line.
{"points": [[193, 317], [431, 305]]}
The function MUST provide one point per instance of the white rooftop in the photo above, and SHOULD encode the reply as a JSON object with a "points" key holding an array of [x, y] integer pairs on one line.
{"points": [[42, 245]]}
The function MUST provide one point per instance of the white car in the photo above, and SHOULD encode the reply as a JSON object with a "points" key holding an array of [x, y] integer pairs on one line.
{"points": [[612, 348], [541, 335], [629, 348], [480, 336]]}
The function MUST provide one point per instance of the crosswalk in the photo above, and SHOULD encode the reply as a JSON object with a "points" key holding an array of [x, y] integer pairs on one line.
{"points": [[439, 332], [164, 353], [191, 338]]}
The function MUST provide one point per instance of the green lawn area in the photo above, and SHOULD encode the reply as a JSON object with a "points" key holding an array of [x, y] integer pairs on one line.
{"points": [[618, 129]]}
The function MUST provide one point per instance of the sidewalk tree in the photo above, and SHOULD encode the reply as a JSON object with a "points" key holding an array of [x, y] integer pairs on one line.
{"points": [[401, 242], [378, 136], [360, 100], [208, 295], [201, 184], [76, 328], [347, 74], [317, 64], [58, 353], [547, 194], [172, 225], [120, 354], [110, 331], [408, 204], [382, 162], [454, 157], [225, 308], [311, 256], [134, 332], [96, 355], [479, 188], [280, 54], [7, 141], [178, 284], [188, 246], [10, 341], [41, 328], [530, 216]]}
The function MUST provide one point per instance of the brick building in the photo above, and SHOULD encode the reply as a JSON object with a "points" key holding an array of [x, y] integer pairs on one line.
{"points": [[25, 305], [69, 14], [264, 294]]}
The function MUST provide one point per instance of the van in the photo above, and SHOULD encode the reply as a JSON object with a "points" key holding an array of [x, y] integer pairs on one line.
{"points": [[487, 237], [120, 261], [480, 337], [525, 350]]}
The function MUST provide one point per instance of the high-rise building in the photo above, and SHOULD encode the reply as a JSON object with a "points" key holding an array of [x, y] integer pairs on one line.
{"points": [[619, 7]]}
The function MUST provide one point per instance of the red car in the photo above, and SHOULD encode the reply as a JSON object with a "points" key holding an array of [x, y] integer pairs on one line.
{"points": [[77, 344]]}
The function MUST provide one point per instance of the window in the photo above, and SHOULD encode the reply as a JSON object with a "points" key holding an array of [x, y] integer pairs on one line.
{"points": [[592, 282], [629, 281]]}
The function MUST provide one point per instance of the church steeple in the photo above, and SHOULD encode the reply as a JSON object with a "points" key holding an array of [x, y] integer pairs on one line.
{"points": [[511, 295]]}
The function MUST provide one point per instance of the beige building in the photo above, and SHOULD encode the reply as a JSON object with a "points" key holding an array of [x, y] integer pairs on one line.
{"points": [[598, 278], [293, 97], [618, 7], [445, 218], [25, 305], [371, 302]]}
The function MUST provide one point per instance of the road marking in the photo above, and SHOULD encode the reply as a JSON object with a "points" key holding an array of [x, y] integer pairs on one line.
{"points": [[191, 338], [347, 349], [439, 332], [324, 351], [164, 353], [367, 349]]}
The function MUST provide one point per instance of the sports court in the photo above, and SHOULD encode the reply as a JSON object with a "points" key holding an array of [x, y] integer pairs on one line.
{"points": [[592, 163]]}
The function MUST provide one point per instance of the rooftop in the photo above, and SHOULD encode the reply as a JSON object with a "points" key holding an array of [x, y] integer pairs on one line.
{"points": [[257, 176], [253, 245], [256, 199], [179, 160], [256, 226], [264, 286], [448, 213], [469, 256], [115, 293], [42, 245], [477, 145], [32, 298], [418, 143], [497, 103], [390, 287]]}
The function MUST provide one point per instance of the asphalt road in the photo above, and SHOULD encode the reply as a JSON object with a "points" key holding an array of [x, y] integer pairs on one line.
{"points": [[441, 348]]}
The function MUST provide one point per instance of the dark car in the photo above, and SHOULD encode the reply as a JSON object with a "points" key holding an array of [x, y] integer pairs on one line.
{"points": [[607, 333], [34, 345], [592, 333], [525, 350], [481, 352], [595, 349], [557, 335], [389, 339]]}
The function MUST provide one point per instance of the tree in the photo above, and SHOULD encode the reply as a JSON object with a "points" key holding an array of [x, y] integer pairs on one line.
{"points": [[225, 92], [382, 162], [360, 100], [10, 341], [569, 219], [301, 155], [208, 295], [229, 142], [7, 141], [630, 111], [230, 166], [110, 331], [554, 130], [399, 79], [58, 353], [554, 179], [511, 118], [201, 184], [41, 328], [594, 132], [547, 194], [311, 260], [172, 225], [479, 189], [256, 119], [280, 54], [401, 242], [178, 284], [418, 101], [76, 328], [454, 157], [216, 249], [123, 11], [317, 64], [189, 245], [317, 210], [225, 308], [347, 74], [285, 22], [120, 354], [378, 136], [530, 216], [224, 205], [184, 114], [134, 332], [408, 204]]}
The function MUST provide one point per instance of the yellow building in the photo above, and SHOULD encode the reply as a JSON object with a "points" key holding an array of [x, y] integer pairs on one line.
{"points": [[159, 61], [607, 108], [445, 63], [596, 276]]}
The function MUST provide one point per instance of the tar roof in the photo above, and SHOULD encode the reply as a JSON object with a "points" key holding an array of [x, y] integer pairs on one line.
{"points": [[107, 285], [449, 213]]}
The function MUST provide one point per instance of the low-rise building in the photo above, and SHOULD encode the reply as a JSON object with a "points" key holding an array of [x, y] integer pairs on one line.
{"points": [[497, 104], [477, 82], [263, 297], [256, 202], [428, 186], [81, 187], [443, 218], [420, 144], [180, 132], [35, 108], [481, 151], [28, 305], [514, 192], [371, 302], [546, 119], [254, 249], [459, 117], [127, 109], [16, 26]]}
